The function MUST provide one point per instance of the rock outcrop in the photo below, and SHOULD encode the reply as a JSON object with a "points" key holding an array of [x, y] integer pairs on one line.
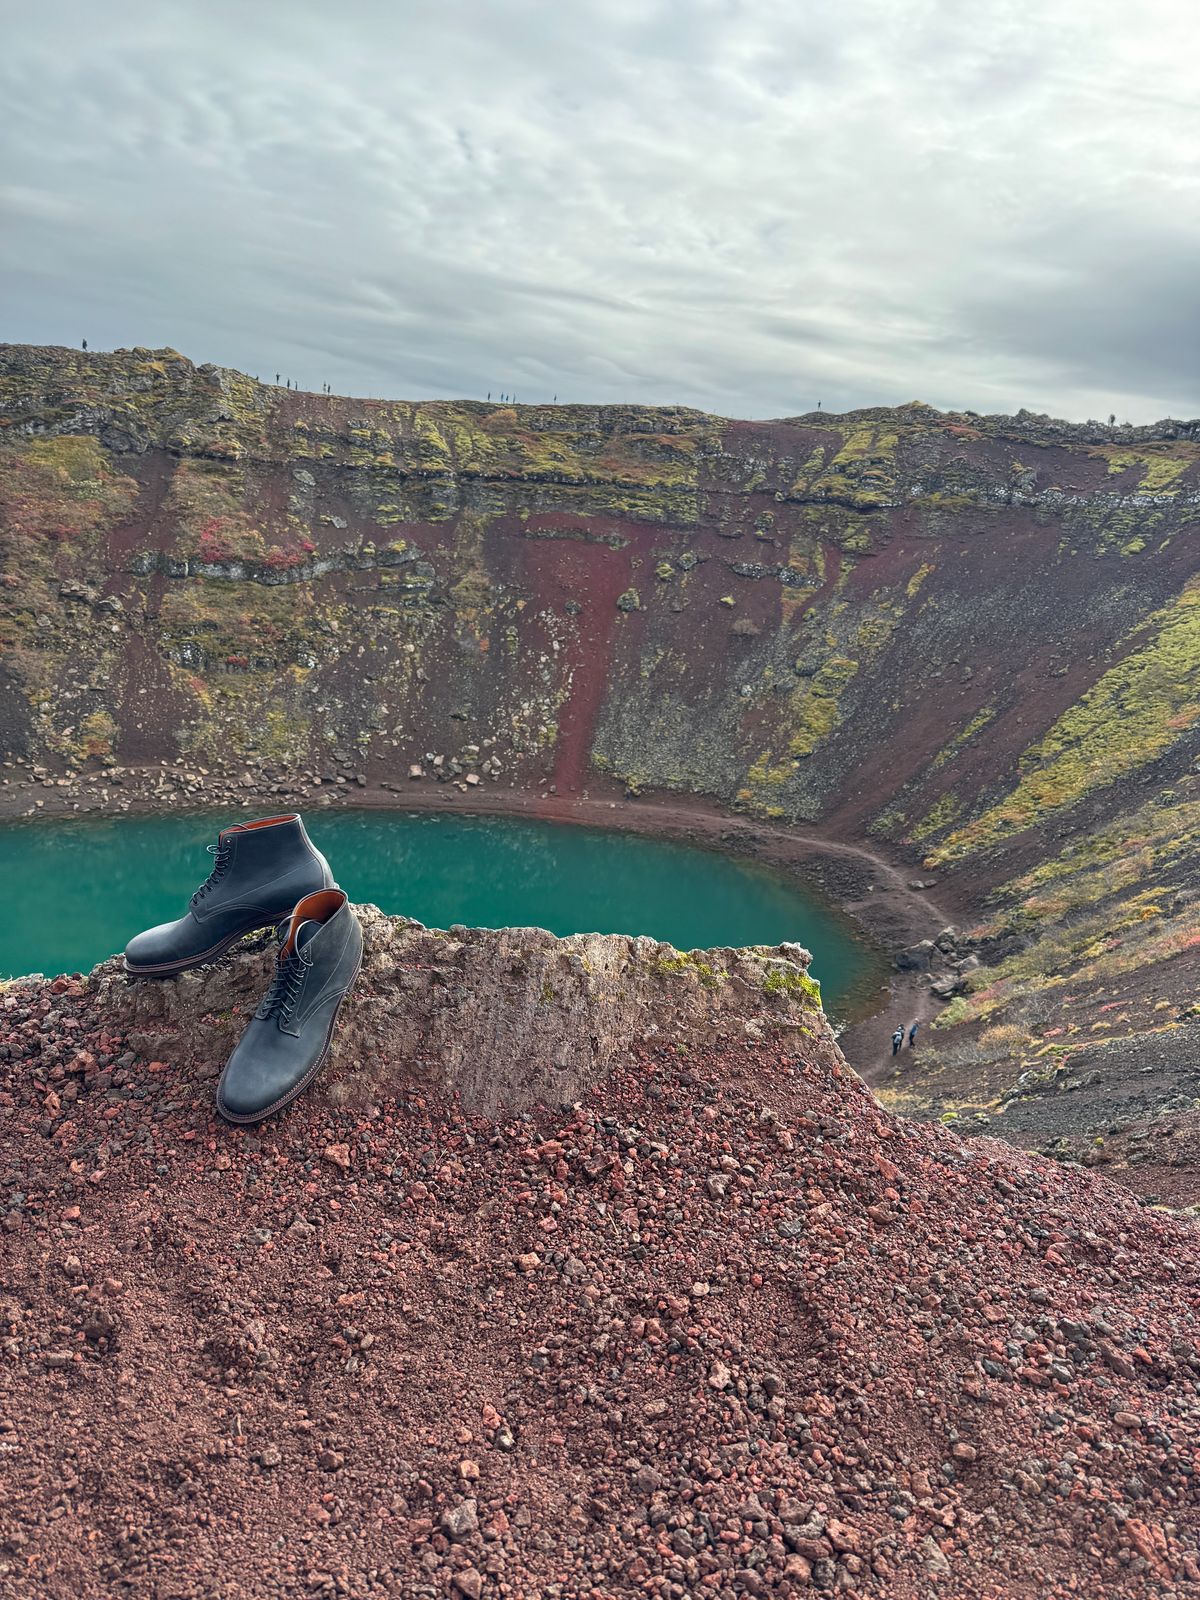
{"points": [[504, 1019]]}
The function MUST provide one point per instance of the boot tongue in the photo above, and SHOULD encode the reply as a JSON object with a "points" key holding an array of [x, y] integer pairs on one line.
{"points": [[305, 932]]}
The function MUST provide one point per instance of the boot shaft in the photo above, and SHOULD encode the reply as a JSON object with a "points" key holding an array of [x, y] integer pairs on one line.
{"points": [[261, 870], [271, 863], [271, 845]]}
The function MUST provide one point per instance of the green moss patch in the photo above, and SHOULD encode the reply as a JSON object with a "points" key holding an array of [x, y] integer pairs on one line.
{"points": [[787, 983], [1138, 709]]}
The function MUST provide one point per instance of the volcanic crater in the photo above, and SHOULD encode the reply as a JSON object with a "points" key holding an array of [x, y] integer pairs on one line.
{"points": [[642, 1290]]}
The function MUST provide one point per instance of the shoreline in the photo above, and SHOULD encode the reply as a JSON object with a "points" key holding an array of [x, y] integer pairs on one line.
{"points": [[859, 884]]}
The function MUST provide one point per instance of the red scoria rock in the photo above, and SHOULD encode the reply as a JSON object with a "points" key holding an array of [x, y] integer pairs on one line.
{"points": [[543, 1356]]}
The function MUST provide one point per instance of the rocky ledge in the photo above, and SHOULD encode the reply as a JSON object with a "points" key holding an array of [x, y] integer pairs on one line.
{"points": [[503, 1019], [719, 1325]]}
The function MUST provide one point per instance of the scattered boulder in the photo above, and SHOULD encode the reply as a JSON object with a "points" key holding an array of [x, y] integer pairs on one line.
{"points": [[916, 957]]}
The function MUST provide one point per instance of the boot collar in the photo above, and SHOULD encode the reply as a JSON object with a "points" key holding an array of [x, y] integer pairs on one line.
{"points": [[322, 906]]}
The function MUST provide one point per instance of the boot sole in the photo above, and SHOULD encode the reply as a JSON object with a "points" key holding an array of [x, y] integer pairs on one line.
{"points": [[292, 1094], [171, 969]]}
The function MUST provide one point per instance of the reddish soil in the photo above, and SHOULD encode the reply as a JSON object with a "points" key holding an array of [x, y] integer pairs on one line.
{"points": [[557, 571], [724, 1328], [148, 528], [147, 688]]}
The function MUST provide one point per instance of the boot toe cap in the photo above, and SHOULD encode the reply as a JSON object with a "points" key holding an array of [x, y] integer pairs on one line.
{"points": [[261, 1072], [153, 948], [240, 1098]]}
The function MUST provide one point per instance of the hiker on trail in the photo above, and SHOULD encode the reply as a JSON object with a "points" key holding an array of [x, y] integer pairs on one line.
{"points": [[897, 1039], [912, 1034], [85, 344]]}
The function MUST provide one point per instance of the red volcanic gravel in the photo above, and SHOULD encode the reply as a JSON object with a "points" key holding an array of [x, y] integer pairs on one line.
{"points": [[724, 1329]]}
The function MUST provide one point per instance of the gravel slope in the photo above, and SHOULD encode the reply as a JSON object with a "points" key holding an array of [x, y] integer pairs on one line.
{"points": [[724, 1328]]}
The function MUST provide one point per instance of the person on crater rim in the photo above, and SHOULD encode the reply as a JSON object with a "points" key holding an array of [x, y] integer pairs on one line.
{"points": [[912, 1034], [897, 1039]]}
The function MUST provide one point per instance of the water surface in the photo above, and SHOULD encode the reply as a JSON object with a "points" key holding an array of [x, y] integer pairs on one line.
{"points": [[83, 887]]}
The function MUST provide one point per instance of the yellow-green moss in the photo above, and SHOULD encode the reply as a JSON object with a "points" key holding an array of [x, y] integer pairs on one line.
{"points": [[1080, 947], [1125, 851], [1162, 466], [814, 714], [940, 816], [1138, 709], [943, 501], [957, 1011], [963, 737], [72, 458], [785, 982], [862, 473], [685, 961], [917, 579]]}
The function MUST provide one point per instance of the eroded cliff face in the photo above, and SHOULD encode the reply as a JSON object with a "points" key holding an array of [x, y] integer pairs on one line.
{"points": [[870, 620], [971, 642]]}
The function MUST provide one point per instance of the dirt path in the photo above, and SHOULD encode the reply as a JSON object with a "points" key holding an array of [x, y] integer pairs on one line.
{"points": [[871, 1040], [917, 898], [911, 998]]}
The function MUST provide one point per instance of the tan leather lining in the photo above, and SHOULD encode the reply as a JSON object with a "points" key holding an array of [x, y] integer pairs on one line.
{"points": [[316, 907], [266, 822]]}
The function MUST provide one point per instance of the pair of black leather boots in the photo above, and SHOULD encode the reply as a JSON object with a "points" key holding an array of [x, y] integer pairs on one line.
{"points": [[265, 873]]}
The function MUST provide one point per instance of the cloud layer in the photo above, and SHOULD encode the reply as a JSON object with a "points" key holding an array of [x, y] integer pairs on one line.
{"points": [[745, 205]]}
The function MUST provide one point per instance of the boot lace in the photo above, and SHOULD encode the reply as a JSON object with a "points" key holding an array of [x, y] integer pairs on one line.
{"points": [[224, 854], [280, 999]]}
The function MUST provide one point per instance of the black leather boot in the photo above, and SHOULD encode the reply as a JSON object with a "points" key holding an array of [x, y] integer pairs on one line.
{"points": [[289, 1035], [261, 870]]}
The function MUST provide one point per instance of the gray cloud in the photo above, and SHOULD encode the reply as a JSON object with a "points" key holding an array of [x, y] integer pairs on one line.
{"points": [[744, 205]]}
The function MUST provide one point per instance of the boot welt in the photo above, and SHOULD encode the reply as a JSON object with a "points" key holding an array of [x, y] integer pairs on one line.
{"points": [[169, 969], [299, 1088]]}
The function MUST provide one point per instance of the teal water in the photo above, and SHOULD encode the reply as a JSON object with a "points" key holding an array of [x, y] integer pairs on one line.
{"points": [[83, 888]]}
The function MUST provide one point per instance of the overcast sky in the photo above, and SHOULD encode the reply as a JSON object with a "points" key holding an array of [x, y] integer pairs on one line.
{"points": [[743, 205]]}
